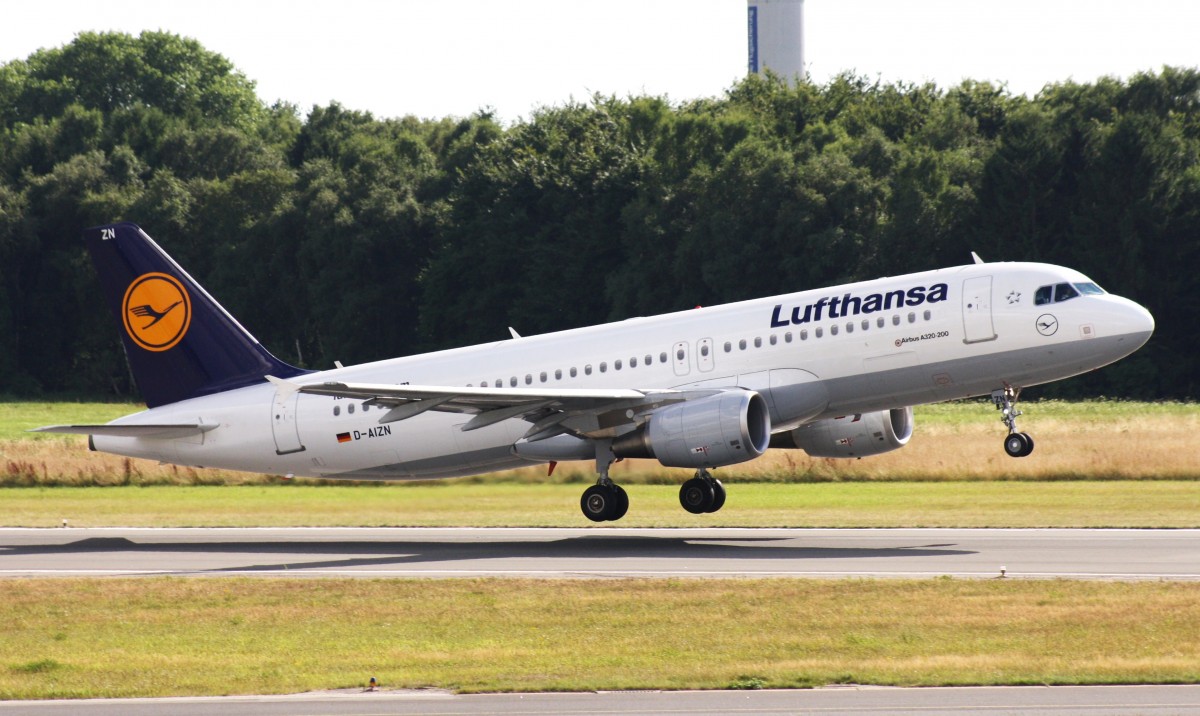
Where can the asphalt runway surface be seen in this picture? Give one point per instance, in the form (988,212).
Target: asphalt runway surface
(857,701)
(603,552)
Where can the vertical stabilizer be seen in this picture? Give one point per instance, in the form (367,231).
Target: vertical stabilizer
(181,343)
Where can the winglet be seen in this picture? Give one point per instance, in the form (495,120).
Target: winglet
(514,333)
(978,260)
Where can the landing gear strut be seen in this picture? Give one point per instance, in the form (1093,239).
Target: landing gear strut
(606,500)
(1016,444)
(703,493)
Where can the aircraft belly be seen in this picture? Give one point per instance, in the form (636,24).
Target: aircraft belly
(970,376)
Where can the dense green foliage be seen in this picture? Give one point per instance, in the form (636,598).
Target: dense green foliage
(344,236)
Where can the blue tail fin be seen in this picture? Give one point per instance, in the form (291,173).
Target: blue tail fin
(181,343)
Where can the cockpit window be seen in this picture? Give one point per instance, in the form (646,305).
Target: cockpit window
(1064,291)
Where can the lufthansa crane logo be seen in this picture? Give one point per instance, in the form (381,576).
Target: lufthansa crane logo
(157,311)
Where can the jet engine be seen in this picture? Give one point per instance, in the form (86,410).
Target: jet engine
(723,429)
(851,435)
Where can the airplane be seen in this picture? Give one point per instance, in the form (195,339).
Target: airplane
(834,372)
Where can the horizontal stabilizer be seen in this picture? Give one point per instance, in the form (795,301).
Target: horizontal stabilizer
(159,432)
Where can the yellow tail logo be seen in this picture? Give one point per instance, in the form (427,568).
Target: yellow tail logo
(157,311)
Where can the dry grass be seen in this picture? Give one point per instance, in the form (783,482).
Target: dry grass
(155,637)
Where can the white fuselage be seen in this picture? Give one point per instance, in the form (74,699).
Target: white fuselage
(857,348)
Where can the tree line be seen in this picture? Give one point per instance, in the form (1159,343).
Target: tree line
(342,236)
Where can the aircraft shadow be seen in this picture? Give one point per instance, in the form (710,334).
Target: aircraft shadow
(591,552)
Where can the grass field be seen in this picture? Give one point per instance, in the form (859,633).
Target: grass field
(150,637)
(854,504)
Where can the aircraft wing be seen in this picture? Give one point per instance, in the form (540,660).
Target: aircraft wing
(160,431)
(592,413)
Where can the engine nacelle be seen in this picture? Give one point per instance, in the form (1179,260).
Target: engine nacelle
(851,435)
(730,427)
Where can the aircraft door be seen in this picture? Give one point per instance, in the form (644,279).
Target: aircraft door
(283,422)
(977,310)
(679,356)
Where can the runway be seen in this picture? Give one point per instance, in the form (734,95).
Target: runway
(847,701)
(603,552)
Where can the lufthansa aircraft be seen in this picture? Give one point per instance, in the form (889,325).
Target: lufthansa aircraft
(834,372)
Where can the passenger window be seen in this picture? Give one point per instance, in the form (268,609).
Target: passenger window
(679,354)
(787,337)
(820,332)
(350,409)
(1043,296)
(587,369)
(928,315)
(895,320)
(542,377)
(912,318)
(742,344)
(728,346)
(850,327)
(528,379)
(499,383)
(574,372)
(757,342)
(833,330)
(513,381)
(866,324)
(649,359)
(617,364)
(337,410)
(804,335)
(774,339)
(880,322)
(558,373)
(704,350)
(633,362)
(662,357)
(1064,292)
(603,367)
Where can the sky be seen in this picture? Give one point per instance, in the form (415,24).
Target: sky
(437,58)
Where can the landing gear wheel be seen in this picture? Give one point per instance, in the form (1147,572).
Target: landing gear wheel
(604,503)
(599,503)
(620,504)
(1018,444)
(697,496)
(718,496)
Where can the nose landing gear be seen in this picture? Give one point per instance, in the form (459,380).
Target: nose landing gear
(1016,444)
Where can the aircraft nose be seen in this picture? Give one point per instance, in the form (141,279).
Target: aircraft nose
(1133,320)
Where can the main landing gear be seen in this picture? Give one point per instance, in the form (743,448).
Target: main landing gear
(703,493)
(606,501)
(1015,444)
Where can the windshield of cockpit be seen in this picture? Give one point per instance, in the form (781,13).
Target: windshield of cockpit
(1060,292)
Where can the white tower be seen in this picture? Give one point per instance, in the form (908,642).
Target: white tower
(776,36)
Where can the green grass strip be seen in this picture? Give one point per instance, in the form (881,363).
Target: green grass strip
(957,504)
(163,636)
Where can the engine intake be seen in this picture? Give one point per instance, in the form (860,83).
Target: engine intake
(730,427)
(851,435)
